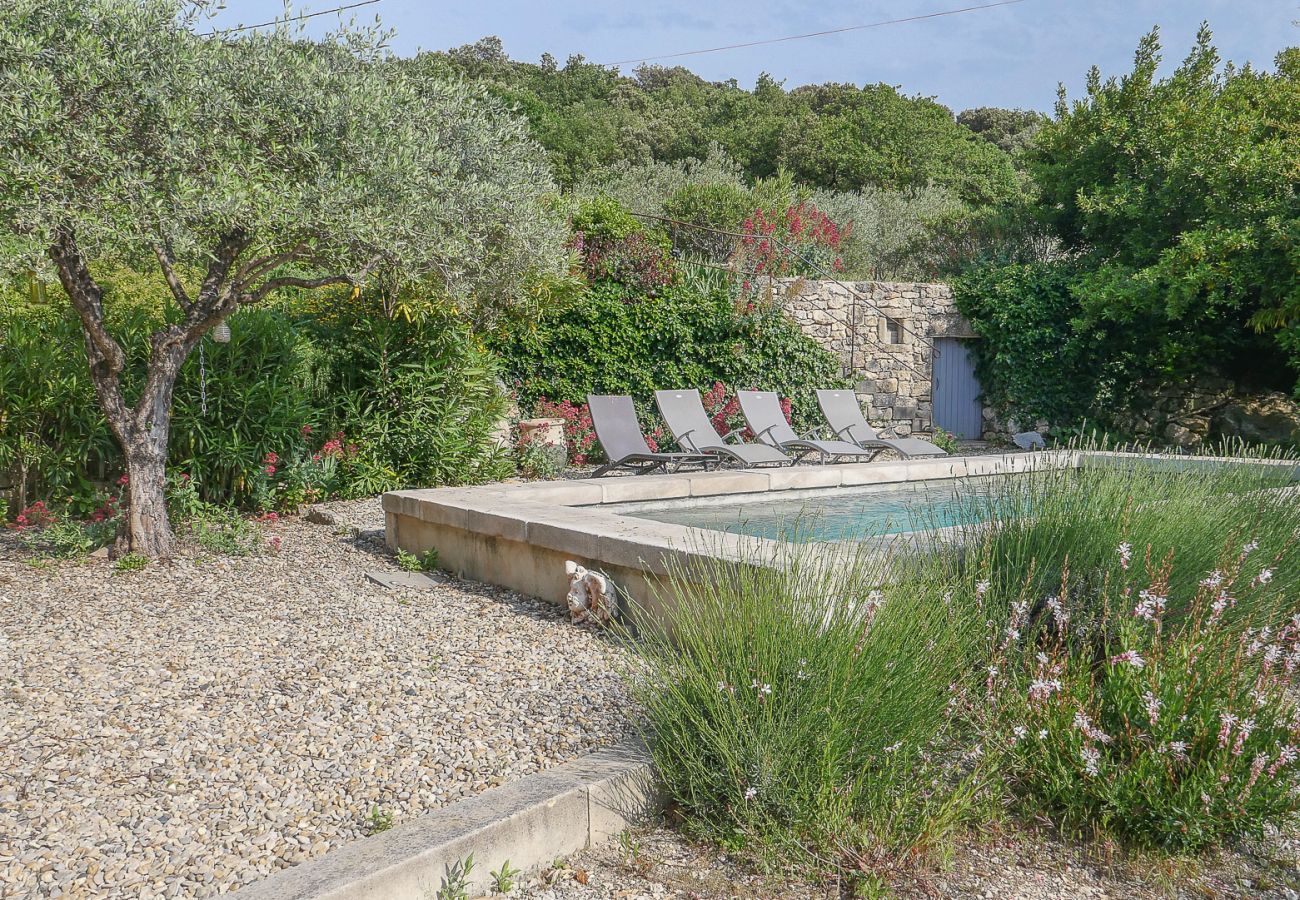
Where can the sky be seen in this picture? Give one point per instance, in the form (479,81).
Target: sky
(1010,56)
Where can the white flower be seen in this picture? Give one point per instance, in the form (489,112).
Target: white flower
(893,748)
(1020,731)
(1150,606)
(1131,657)
(981,587)
(1213,580)
(1153,704)
(1125,550)
(1042,688)
(761,688)
(1264,577)
(1042,734)
(750,793)
(1249,548)
(1090,731)
(1091,759)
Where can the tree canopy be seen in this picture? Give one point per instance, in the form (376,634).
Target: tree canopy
(234,166)
(1180,196)
(830,136)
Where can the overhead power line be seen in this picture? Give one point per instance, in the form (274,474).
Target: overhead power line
(298,18)
(813,34)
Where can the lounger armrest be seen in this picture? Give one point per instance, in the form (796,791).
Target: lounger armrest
(732,433)
(815,433)
(845,434)
(684,440)
(759,435)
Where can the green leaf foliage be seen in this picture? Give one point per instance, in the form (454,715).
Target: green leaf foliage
(831,136)
(690,335)
(418,399)
(1178,195)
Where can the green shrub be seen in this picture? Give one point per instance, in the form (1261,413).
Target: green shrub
(1051,522)
(131,562)
(717,206)
(1034,360)
(801,711)
(419,399)
(620,342)
(1175,736)
(844,713)
(539,460)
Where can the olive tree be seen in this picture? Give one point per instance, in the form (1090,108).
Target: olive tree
(236,166)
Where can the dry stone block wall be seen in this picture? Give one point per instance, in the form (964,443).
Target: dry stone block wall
(885,337)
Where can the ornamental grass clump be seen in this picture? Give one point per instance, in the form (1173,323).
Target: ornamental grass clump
(1171,731)
(804,711)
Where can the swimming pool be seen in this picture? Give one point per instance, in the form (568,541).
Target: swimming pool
(838,515)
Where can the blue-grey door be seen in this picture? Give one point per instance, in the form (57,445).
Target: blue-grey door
(956,390)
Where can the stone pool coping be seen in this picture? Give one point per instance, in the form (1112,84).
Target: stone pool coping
(520,535)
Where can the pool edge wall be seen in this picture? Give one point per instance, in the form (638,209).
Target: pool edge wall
(520,536)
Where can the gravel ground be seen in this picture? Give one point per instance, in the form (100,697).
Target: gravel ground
(192,727)
(659,864)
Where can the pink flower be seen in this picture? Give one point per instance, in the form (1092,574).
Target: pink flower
(1129,656)
(306,430)
(275,544)
(271,458)
(270,471)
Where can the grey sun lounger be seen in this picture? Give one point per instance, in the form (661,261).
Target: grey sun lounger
(762,411)
(683,412)
(844,415)
(614,418)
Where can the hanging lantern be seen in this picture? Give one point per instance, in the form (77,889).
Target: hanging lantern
(221,333)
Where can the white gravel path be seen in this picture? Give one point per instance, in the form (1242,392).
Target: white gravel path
(186,729)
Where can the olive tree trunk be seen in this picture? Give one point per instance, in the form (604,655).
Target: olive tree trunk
(142,430)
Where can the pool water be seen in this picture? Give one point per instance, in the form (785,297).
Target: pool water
(840,515)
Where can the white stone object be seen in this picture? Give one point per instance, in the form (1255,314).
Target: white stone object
(591,597)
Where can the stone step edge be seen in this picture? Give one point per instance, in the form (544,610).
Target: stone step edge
(530,822)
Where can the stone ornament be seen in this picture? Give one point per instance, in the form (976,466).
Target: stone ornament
(591,597)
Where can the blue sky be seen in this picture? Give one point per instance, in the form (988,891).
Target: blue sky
(1010,56)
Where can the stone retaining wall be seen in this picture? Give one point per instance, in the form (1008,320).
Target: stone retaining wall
(890,351)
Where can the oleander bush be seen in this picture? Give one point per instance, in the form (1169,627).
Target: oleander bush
(417,401)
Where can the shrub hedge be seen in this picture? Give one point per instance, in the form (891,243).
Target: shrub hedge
(418,399)
(690,335)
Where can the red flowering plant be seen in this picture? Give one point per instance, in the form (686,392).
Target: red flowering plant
(633,260)
(37,516)
(283,484)
(802,240)
(724,411)
(579,432)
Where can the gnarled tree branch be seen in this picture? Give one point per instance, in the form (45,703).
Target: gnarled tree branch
(168,266)
(102,352)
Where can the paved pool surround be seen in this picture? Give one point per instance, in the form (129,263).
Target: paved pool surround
(520,535)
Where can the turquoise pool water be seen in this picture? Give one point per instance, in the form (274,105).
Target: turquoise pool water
(840,515)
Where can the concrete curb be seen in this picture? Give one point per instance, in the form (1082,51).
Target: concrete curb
(529,822)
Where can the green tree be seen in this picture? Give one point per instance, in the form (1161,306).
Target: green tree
(1179,197)
(239,166)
